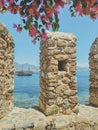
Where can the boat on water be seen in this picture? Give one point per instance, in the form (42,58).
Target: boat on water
(23,73)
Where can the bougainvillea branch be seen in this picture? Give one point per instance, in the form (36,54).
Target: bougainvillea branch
(37,16)
(85,7)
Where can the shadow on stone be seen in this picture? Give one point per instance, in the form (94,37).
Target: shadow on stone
(91,105)
(36,108)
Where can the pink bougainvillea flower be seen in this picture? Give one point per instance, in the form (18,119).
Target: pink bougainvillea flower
(78,8)
(56,9)
(11,1)
(94,12)
(94,9)
(48,25)
(46,12)
(61,3)
(14,26)
(93,2)
(2,3)
(33,9)
(13,8)
(44,36)
(21,13)
(32,31)
(43,17)
(19,28)
(49,12)
(33,41)
(41,1)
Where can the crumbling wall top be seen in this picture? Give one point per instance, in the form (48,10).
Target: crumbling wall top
(61,35)
(4,34)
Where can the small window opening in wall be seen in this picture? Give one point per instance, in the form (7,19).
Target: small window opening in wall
(61,65)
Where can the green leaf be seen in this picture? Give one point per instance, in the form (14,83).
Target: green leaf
(40,26)
(75,2)
(43,22)
(43,30)
(50,6)
(51,19)
(27,1)
(36,17)
(28,22)
(36,24)
(25,27)
(22,3)
(38,2)
(24,21)
(55,26)
(84,4)
(36,38)
(41,10)
(56,19)
(16,0)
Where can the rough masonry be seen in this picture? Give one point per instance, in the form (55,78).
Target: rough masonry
(6,71)
(58,84)
(93,63)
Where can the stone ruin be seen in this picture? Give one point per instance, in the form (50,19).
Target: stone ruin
(58,84)
(93,63)
(6,71)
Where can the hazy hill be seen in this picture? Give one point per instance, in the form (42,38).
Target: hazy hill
(34,68)
(26,66)
(82,69)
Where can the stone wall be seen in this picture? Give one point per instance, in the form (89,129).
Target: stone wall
(58,84)
(93,63)
(6,71)
(31,119)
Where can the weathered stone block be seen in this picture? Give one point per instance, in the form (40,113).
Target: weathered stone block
(66,80)
(52,110)
(62,43)
(73,99)
(70,92)
(58,68)
(93,63)
(52,68)
(6,71)
(61,57)
(67,111)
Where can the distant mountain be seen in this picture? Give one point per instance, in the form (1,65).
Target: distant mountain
(82,69)
(26,67)
(34,68)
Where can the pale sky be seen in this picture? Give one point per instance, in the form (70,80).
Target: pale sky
(84,28)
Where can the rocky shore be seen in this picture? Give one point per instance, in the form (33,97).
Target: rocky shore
(32,119)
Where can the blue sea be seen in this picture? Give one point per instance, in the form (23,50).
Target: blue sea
(26,89)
